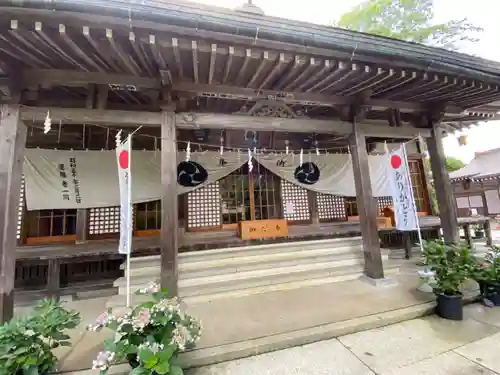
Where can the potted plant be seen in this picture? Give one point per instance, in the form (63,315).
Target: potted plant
(487,274)
(478,231)
(149,337)
(26,342)
(451,266)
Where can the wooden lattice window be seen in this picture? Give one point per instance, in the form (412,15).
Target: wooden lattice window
(235,194)
(419,185)
(266,191)
(331,207)
(351,206)
(148,216)
(204,207)
(383,202)
(20,210)
(50,226)
(104,220)
(295,202)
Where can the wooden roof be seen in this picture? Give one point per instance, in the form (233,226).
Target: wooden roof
(485,165)
(216,60)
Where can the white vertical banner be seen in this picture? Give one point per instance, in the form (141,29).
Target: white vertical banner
(123,158)
(402,192)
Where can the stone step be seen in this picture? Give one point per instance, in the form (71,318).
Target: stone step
(245,251)
(282,281)
(243,266)
(143,279)
(249,263)
(231,272)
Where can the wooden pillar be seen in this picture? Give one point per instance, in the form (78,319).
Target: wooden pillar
(169,204)
(12,144)
(82,214)
(54,278)
(488,233)
(427,175)
(444,189)
(367,208)
(313,206)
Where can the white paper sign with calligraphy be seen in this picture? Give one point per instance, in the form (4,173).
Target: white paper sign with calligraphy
(123,156)
(402,192)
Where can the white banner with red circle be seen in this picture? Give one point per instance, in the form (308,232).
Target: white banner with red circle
(402,192)
(123,155)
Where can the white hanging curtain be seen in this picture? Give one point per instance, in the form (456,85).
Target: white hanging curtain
(53,178)
(336,175)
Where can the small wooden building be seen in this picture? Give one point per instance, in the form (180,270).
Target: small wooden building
(477,185)
(255,98)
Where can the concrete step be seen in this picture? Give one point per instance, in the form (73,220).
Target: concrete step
(257,285)
(300,336)
(232,277)
(246,251)
(231,272)
(249,263)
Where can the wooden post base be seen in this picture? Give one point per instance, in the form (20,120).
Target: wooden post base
(6,307)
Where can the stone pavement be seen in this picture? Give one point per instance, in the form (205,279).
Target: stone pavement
(422,346)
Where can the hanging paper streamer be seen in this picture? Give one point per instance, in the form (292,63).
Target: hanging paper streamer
(188,151)
(317,149)
(301,157)
(250,164)
(118,139)
(286,147)
(221,146)
(47,124)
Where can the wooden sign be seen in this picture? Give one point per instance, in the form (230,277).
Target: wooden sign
(259,229)
(384,222)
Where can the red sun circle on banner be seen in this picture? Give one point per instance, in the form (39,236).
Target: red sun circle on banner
(123,159)
(396,161)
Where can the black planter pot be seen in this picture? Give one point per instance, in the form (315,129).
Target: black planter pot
(450,307)
(490,291)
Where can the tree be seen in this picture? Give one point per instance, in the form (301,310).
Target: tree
(410,20)
(453,164)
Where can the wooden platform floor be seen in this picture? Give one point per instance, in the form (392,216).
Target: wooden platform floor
(207,239)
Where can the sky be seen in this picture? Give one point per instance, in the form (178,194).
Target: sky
(481,13)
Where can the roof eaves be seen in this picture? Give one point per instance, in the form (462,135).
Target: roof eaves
(265,27)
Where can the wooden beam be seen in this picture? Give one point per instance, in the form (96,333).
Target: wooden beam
(12,144)
(50,77)
(169,222)
(92,116)
(444,189)
(218,121)
(74,78)
(367,205)
(304,98)
(243,122)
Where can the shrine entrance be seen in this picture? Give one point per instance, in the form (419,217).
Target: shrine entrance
(250,195)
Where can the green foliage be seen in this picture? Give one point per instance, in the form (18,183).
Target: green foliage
(410,20)
(489,270)
(26,342)
(451,265)
(149,337)
(453,164)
